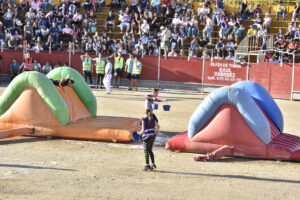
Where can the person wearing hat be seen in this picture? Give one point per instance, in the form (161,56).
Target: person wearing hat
(136,72)
(108,75)
(166,35)
(281,10)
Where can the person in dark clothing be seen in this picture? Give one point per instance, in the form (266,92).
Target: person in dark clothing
(63,82)
(150,129)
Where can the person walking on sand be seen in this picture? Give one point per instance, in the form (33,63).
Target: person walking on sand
(150,129)
(107,76)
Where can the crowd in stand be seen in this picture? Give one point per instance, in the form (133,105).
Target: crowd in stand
(172,25)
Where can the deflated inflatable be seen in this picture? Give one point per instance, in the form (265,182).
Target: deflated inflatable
(241,120)
(31,103)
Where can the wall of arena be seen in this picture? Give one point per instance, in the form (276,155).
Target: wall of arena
(275,78)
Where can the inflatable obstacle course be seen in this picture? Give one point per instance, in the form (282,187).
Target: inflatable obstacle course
(32,102)
(240,120)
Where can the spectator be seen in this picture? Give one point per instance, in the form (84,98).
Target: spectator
(114,5)
(133,6)
(267,20)
(293,47)
(292,27)
(165,5)
(145,27)
(92,26)
(230,56)
(230,45)
(261,36)
(100,4)
(44,33)
(136,23)
(28,32)
(252,32)
(181,53)
(220,48)
(274,59)
(296,12)
(216,15)
(87,6)
(77,18)
(172,53)
(205,55)
(218,56)
(193,27)
(181,39)
(165,41)
(223,28)
(125,22)
(35,4)
(281,10)
(66,33)
(268,55)
(123,5)
(243,9)
(297,35)
(193,55)
(257,10)
(110,22)
(36,66)
(14,69)
(155,4)
(155,23)
(208,29)
(8,18)
(175,22)
(46,68)
(194,45)
(37,47)
(280,34)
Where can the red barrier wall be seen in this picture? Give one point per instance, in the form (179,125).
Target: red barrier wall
(275,78)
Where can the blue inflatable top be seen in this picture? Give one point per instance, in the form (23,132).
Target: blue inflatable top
(245,96)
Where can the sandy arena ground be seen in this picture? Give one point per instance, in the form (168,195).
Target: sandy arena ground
(38,168)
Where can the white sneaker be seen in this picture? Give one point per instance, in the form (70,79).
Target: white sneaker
(107,93)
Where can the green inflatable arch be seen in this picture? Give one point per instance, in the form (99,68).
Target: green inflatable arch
(45,89)
(81,88)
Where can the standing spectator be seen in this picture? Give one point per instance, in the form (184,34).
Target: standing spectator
(165,41)
(87,67)
(128,68)
(36,66)
(296,12)
(257,10)
(136,72)
(118,66)
(107,76)
(46,68)
(281,10)
(100,69)
(14,69)
(27,63)
(155,4)
(252,32)
(110,22)
(208,29)
(125,22)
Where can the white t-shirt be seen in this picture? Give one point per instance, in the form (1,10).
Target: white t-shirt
(108,68)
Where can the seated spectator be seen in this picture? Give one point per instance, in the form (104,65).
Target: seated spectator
(193,55)
(30,16)
(12,43)
(220,48)
(218,56)
(28,32)
(175,22)
(181,53)
(280,35)
(46,68)
(267,20)
(54,32)
(85,23)
(240,60)
(155,23)
(237,34)
(37,47)
(8,18)
(145,27)
(268,55)
(114,5)
(223,27)
(281,10)
(110,22)
(77,18)
(244,12)
(14,69)
(280,45)
(133,6)
(35,4)
(205,55)
(258,21)
(274,59)
(44,33)
(230,56)
(216,14)
(155,4)
(296,12)
(297,35)
(292,27)
(289,36)
(230,46)
(87,5)
(92,26)
(251,11)
(181,39)
(165,5)
(125,22)
(194,45)
(66,33)
(202,44)
(100,4)
(257,10)
(172,53)
(293,47)
(193,29)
